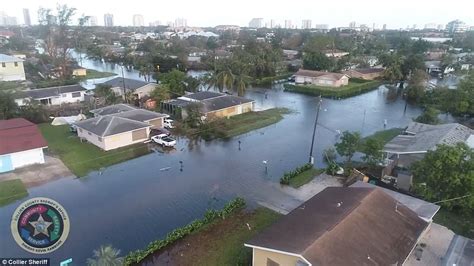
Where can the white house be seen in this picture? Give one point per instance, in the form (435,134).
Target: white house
(54,95)
(21,144)
(137,87)
(11,68)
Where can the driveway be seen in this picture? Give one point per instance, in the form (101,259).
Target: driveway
(38,174)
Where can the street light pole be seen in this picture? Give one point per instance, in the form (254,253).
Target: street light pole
(311,158)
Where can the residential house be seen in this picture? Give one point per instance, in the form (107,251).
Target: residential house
(290,54)
(320,78)
(118,125)
(78,71)
(11,68)
(341,226)
(336,53)
(365,73)
(53,95)
(21,144)
(211,104)
(137,87)
(433,67)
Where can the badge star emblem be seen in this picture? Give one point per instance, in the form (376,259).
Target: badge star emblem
(41,226)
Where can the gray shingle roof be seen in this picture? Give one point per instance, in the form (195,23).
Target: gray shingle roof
(8,58)
(425,137)
(110,125)
(214,104)
(53,91)
(113,109)
(139,115)
(130,84)
(203,95)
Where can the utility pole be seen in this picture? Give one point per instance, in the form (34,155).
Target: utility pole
(311,158)
(123,83)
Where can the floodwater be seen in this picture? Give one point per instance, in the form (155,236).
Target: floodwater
(138,201)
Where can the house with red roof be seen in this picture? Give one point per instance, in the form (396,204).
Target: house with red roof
(21,144)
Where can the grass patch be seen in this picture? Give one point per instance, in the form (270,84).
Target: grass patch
(382,136)
(355,87)
(305,177)
(94,74)
(222,243)
(461,224)
(11,190)
(82,158)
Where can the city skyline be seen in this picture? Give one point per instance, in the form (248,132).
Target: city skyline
(398,17)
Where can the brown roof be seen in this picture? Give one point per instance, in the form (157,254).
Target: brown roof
(319,74)
(19,134)
(346,226)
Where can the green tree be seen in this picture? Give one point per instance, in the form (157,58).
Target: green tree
(372,149)
(175,80)
(446,173)
(416,86)
(348,144)
(105,255)
(429,116)
(8,106)
(160,93)
(146,71)
(317,61)
(106,93)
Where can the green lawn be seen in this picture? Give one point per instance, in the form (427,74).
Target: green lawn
(355,87)
(222,243)
(383,136)
(460,224)
(305,177)
(94,74)
(82,158)
(11,190)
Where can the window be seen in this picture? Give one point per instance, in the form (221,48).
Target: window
(16,64)
(76,94)
(272,262)
(3,65)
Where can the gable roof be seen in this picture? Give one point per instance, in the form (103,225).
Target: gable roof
(19,134)
(8,59)
(104,126)
(203,95)
(346,226)
(320,74)
(140,115)
(226,101)
(130,84)
(53,91)
(113,109)
(424,137)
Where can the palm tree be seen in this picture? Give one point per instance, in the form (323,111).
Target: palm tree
(146,71)
(225,79)
(241,81)
(105,255)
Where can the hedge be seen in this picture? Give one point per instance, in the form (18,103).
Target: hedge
(354,88)
(210,216)
(285,180)
(269,80)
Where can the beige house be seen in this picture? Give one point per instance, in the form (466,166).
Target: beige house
(341,226)
(79,72)
(320,78)
(118,126)
(365,73)
(139,88)
(11,68)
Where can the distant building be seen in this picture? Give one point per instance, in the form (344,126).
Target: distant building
(334,53)
(92,22)
(322,27)
(6,20)
(288,24)
(256,23)
(384,27)
(180,23)
(352,25)
(53,95)
(456,26)
(272,24)
(431,26)
(26,17)
(138,20)
(320,78)
(108,20)
(155,23)
(306,24)
(11,68)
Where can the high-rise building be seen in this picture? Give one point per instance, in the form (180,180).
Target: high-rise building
(256,23)
(272,24)
(138,20)
(321,27)
(92,21)
(430,26)
(414,27)
(180,23)
(6,20)
(26,17)
(384,27)
(352,25)
(288,24)
(306,24)
(109,20)
(456,26)
(155,23)
(440,27)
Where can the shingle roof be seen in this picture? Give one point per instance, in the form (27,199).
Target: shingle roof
(19,134)
(426,137)
(110,125)
(113,109)
(141,115)
(319,74)
(346,226)
(53,91)
(130,84)
(203,95)
(217,103)
(8,58)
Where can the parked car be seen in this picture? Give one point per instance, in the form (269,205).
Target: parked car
(168,123)
(164,140)
(158,131)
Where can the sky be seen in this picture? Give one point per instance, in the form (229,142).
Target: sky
(396,13)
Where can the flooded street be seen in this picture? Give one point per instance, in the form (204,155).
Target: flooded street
(132,203)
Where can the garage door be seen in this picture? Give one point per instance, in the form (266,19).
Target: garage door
(139,134)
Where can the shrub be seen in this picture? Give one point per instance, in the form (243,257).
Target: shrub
(353,89)
(285,180)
